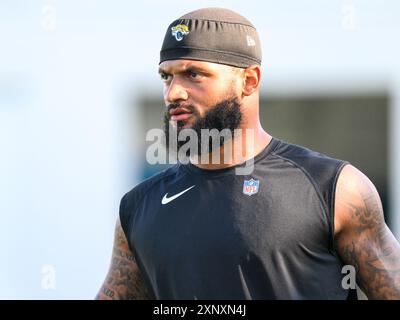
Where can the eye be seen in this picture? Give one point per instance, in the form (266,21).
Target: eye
(165,76)
(194,75)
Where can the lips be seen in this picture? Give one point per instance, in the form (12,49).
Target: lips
(180,114)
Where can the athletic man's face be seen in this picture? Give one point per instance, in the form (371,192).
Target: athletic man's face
(193,88)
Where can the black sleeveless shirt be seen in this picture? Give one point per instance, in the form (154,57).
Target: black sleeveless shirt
(213,234)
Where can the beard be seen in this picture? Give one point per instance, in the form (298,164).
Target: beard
(224,116)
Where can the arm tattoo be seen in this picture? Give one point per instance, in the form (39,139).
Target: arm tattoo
(124,280)
(371,248)
(368,216)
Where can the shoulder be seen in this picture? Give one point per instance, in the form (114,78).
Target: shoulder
(321,168)
(303,155)
(134,195)
(357,202)
(132,198)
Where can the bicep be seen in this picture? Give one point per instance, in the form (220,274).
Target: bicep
(362,238)
(123,280)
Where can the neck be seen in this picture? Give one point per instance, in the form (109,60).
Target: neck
(246,144)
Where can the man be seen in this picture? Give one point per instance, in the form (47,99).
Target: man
(285,230)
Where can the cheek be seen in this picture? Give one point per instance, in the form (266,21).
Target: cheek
(212,93)
(225,89)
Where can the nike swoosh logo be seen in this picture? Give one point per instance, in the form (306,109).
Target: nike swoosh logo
(166,200)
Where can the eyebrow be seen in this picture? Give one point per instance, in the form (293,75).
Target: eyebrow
(189,68)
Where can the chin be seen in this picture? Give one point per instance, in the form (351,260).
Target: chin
(188,124)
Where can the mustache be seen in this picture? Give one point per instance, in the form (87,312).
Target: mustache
(176,105)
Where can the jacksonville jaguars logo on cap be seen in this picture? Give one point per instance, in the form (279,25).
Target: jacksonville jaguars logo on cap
(251,187)
(180,31)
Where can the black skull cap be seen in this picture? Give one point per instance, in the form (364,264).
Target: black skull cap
(215,35)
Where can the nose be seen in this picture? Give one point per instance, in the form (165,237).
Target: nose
(175,92)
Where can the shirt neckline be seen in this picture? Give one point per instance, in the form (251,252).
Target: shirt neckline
(191,168)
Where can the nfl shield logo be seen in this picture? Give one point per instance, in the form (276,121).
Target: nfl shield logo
(251,186)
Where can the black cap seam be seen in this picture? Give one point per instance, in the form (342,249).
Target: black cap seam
(218,61)
(214,50)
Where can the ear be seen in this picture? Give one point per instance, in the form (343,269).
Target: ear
(251,79)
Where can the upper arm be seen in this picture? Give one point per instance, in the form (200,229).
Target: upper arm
(123,280)
(362,238)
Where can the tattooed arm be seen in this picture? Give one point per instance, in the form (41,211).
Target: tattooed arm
(362,238)
(123,280)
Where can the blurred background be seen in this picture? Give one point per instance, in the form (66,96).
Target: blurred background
(79,89)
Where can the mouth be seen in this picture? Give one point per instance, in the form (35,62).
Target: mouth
(180,114)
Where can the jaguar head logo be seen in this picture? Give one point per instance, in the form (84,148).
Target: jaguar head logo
(180,31)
